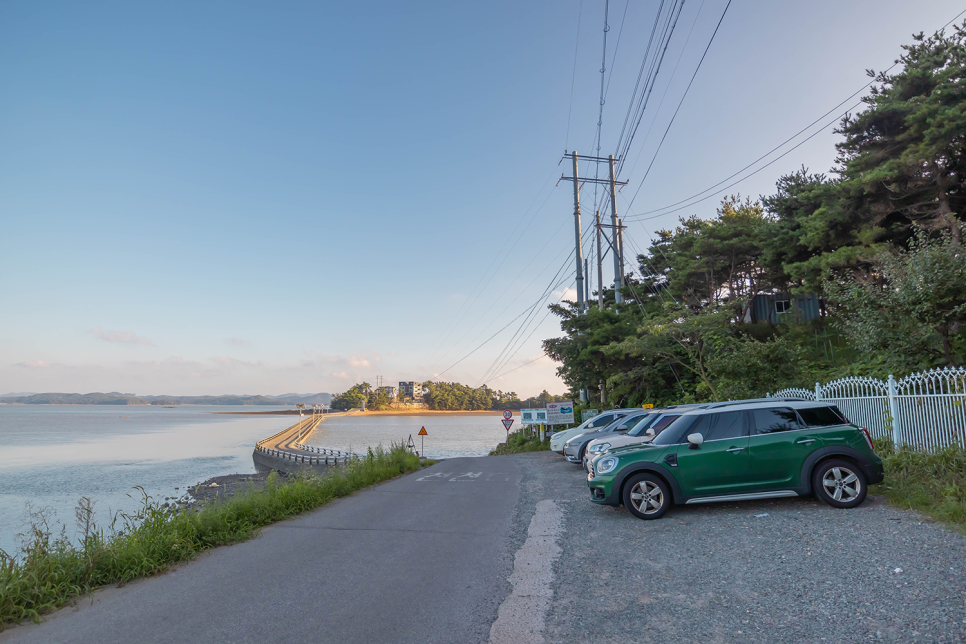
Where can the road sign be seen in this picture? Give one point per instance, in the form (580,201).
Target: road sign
(507,422)
(587,414)
(561,413)
(533,416)
(422,445)
(508,414)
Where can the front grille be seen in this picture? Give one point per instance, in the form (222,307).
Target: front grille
(590,470)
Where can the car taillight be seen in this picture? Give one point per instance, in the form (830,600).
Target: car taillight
(868,438)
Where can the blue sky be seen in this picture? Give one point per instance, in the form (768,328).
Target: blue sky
(207,198)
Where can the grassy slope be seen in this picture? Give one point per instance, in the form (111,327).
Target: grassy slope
(51,570)
(933,484)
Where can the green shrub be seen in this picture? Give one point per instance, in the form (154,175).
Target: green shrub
(522,441)
(51,570)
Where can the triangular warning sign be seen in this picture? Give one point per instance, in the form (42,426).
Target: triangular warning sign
(507,422)
(423,432)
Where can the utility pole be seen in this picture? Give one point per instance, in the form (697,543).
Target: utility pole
(620,246)
(600,270)
(580,254)
(618,266)
(586,286)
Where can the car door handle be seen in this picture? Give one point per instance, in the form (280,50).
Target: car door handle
(806,441)
(734,449)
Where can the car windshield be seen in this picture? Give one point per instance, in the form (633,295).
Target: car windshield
(641,427)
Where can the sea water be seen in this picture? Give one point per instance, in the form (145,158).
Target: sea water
(52,455)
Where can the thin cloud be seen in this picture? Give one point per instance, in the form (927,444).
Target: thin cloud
(358,361)
(33,364)
(239,342)
(121,337)
(341,375)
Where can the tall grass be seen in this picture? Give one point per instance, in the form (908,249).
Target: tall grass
(933,483)
(50,569)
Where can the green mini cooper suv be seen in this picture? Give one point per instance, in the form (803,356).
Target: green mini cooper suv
(741,450)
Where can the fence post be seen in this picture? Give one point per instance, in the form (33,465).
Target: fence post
(892,411)
(818,391)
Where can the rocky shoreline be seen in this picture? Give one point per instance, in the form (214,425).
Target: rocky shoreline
(219,488)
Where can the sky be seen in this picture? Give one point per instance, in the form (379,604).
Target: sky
(236,197)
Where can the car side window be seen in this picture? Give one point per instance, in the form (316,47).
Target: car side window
(600,421)
(731,424)
(641,425)
(779,419)
(820,417)
(627,424)
(703,425)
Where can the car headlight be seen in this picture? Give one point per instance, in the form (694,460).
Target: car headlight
(603,447)
(606,464)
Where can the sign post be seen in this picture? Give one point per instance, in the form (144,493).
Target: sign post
(422,447)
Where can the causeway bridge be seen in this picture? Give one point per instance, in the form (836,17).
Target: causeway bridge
(286,450)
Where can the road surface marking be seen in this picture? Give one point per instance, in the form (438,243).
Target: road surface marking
(522,615)
(469,476)
(434,476)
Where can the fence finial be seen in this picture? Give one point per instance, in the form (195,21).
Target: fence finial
(818,391)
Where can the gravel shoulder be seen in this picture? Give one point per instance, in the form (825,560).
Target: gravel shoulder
(719,573)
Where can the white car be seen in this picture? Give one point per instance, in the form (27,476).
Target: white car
(600,420)
(643,432)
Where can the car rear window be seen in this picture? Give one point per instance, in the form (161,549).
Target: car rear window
(779,419)
(824,416)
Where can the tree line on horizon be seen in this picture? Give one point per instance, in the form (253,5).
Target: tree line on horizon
(444,396)
(877,243)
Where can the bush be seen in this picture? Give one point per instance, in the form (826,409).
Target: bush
(51,570)
(522,441)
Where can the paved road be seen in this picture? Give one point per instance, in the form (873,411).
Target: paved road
(510,550)
(419,559)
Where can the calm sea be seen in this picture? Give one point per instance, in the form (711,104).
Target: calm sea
(51,455)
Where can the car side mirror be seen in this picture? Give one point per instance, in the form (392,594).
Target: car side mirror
(649,432)
(695,439)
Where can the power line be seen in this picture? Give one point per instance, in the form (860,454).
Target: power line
(687,89)
(573,78)
(783,143)
(640,216)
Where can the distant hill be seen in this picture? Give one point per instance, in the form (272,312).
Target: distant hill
(18,395)
(308,399)
(116,398)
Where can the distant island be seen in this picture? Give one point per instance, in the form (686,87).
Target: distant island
(117,398)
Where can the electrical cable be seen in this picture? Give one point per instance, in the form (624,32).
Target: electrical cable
(681,102)
(573,78)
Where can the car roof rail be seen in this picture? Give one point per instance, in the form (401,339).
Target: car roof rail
(731,403)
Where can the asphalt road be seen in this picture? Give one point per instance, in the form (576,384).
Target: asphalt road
(421,559)
(509,549)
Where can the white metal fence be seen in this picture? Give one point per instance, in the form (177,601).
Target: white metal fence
(925,410)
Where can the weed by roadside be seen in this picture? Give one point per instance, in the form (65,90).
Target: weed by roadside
(521,441)
(933,483)
(50,570)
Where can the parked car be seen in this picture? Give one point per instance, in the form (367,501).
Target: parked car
(557,439)
(575,446)
(741,450)
(643,432)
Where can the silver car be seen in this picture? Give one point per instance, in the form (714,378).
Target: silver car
(575,447)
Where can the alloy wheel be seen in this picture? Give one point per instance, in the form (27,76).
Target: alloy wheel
(841,484)
(647,497)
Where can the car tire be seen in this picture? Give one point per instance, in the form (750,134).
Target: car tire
(580,456)
(839,483)
(646,496)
